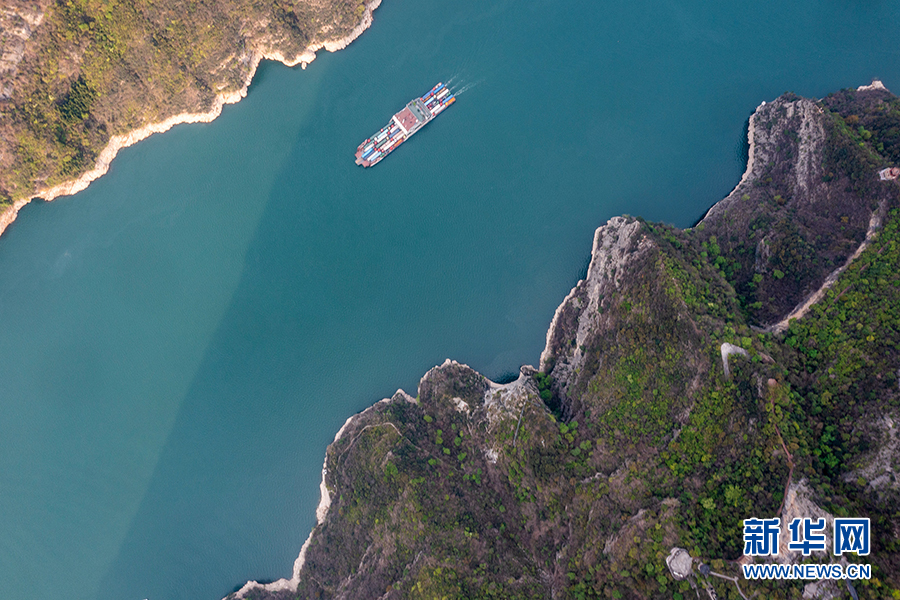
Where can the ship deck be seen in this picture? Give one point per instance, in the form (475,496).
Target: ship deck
(402,125)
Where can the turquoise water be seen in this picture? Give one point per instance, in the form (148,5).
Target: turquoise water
(181,341)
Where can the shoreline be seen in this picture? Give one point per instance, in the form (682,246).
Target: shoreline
(557,314)
(748,171)
(551,330)
(118,142)
(321,512)
(322,509)
(751,130)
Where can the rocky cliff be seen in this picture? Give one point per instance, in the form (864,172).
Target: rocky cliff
(666,408)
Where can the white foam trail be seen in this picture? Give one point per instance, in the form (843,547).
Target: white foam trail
(465,88)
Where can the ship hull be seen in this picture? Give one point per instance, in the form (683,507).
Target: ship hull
(415,115)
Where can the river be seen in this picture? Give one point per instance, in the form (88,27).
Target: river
(182,340)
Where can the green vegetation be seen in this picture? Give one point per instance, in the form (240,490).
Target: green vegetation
(97,68)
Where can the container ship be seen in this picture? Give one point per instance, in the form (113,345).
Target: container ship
(412,118)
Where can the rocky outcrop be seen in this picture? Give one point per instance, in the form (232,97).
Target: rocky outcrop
(382,465)
(800,503)
(804,204)
(880,469)
(617,245)
(799,134)
(17,23)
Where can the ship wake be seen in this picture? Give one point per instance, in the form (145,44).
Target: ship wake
(463,87)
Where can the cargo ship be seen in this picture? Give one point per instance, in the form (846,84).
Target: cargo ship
(412,118)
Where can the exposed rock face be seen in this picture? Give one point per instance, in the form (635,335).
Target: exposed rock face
(799,504)
(629,305)
(881,469)
(617,245)
(800,133)
(17,23)
(396,519)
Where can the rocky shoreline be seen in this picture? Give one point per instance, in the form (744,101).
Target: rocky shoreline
(118,142)
(608,252)
(321,512)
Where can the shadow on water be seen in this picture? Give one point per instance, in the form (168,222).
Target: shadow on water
(231,475)
(742,151)
(507,377)
(327,318)
(743,147)
(583,272)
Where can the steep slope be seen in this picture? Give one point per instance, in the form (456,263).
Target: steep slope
(661,415)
